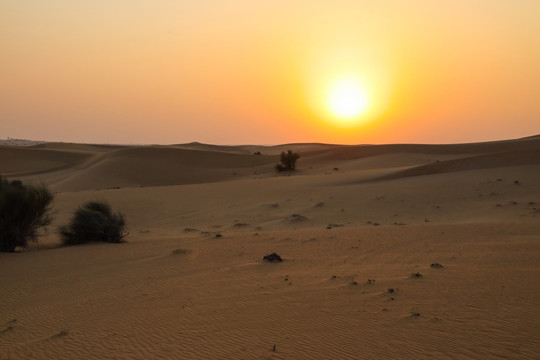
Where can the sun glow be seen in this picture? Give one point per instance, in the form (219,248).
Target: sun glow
(347,99)
(346,89)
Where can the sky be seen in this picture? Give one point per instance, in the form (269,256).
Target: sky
(269,72)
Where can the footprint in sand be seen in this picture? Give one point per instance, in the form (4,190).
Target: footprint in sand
(7,330)
(61,334)
(296,218)
(180,252)
(240,225)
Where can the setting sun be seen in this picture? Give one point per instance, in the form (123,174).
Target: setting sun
(347,100)
(324,71)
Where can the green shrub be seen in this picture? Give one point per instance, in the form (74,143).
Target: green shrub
(288,161)
(94,221)
(24,209)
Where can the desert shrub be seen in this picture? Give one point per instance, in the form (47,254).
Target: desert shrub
(287,161)
(24,209)
(94,221)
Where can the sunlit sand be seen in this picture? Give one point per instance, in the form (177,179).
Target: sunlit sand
(389,252)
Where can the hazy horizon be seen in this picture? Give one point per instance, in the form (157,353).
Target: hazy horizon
(242,72)
(40,141)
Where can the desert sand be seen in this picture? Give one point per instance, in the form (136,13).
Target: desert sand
(389,252)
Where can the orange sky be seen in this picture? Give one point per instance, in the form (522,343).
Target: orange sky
(239,72)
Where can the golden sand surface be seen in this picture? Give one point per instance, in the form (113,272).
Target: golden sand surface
(389,252)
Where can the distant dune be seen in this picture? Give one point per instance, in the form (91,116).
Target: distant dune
(19,142)
(68,167)
(404,251)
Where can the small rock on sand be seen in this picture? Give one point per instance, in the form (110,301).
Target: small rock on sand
(273,257)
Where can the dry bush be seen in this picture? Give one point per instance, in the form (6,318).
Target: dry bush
(94,221)
(24,209)
(287,161)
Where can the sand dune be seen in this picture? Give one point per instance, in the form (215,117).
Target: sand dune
(158,166)
(493,160)
(358,227)
(29,160)
(70,167)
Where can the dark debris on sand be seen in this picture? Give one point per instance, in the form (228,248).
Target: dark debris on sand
(273,257)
